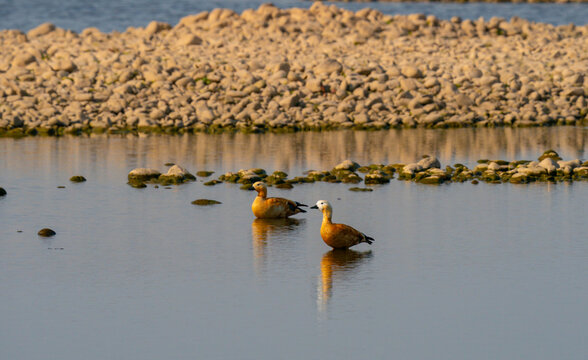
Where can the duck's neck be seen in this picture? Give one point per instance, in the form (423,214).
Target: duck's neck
(262,194)
(327,215)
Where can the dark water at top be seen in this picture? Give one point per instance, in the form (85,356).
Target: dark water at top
(109,15)
(457,272)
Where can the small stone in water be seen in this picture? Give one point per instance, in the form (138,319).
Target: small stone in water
(360,189)
(61,187)
(285,186)
(2,192)
(46,232)
(204,173)
(204,202)
(77,178)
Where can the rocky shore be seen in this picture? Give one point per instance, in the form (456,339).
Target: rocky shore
(293,69)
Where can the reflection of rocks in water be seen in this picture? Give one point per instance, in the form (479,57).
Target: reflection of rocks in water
(263,231)
(337,266)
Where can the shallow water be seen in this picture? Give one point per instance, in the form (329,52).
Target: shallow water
(109,15)
(457,271)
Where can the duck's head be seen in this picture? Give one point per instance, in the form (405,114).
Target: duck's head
(322,205)
(259,186)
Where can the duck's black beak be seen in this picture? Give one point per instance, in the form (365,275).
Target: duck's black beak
(314,207)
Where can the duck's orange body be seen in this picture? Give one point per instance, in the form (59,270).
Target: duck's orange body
(338,236)
(273,208)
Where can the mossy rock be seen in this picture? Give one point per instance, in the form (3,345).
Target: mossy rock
(77,178)
(501,162)
(519,179)
(475,182)
(204,173)
(170,180)
(490,176)
(431,180)
(460,167)
(274,180)
(363,169)
(483,161)
(212,182)
(279,174)
(358,189)
(205,202)
(285,186)
(550,154)
(46,232)
(389,169)
(2,192)
(137,184)
(246,187)
(259,171)
(351,179)
(230,177)
(516,163)
(169,164)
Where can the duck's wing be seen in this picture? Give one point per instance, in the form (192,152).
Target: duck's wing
(350,235)
(288,205)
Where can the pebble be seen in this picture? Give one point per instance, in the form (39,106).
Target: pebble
(299,69)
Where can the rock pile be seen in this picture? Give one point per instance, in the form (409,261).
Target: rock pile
(549,168)
(293,69)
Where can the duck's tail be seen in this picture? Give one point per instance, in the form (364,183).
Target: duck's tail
(300,204)
(368,239)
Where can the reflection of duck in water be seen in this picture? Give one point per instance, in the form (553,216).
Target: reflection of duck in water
(338,236)
(273,208)
(335,265)
(264,230)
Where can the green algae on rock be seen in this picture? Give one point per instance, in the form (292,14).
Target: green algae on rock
(285,186)
(205,202)
(77,178)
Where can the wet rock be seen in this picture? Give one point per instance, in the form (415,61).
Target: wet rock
(46,232)
(204,173)
(549,164)
(550,154)
(176,175)
(358,189)
(285,186)
(138,184)
(205,202)
(143,174)
(212,182)
(2,192)
(77,178)
(376,177)
(347,165)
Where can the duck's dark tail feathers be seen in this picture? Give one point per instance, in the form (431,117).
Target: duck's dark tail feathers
(300,204)
(368,239)
(301,210)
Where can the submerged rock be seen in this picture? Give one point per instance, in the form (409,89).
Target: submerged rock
(358,189)
(212,182)
(46,232)
(285,186)
(204,173)
(77,178)
(205,202)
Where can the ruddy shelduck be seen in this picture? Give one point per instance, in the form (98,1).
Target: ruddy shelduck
(273,207)
(338,236)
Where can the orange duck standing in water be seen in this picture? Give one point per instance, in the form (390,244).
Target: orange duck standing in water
(273,207)
(338,236)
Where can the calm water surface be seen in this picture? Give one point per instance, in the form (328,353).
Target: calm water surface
(109,15)
(457,271)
